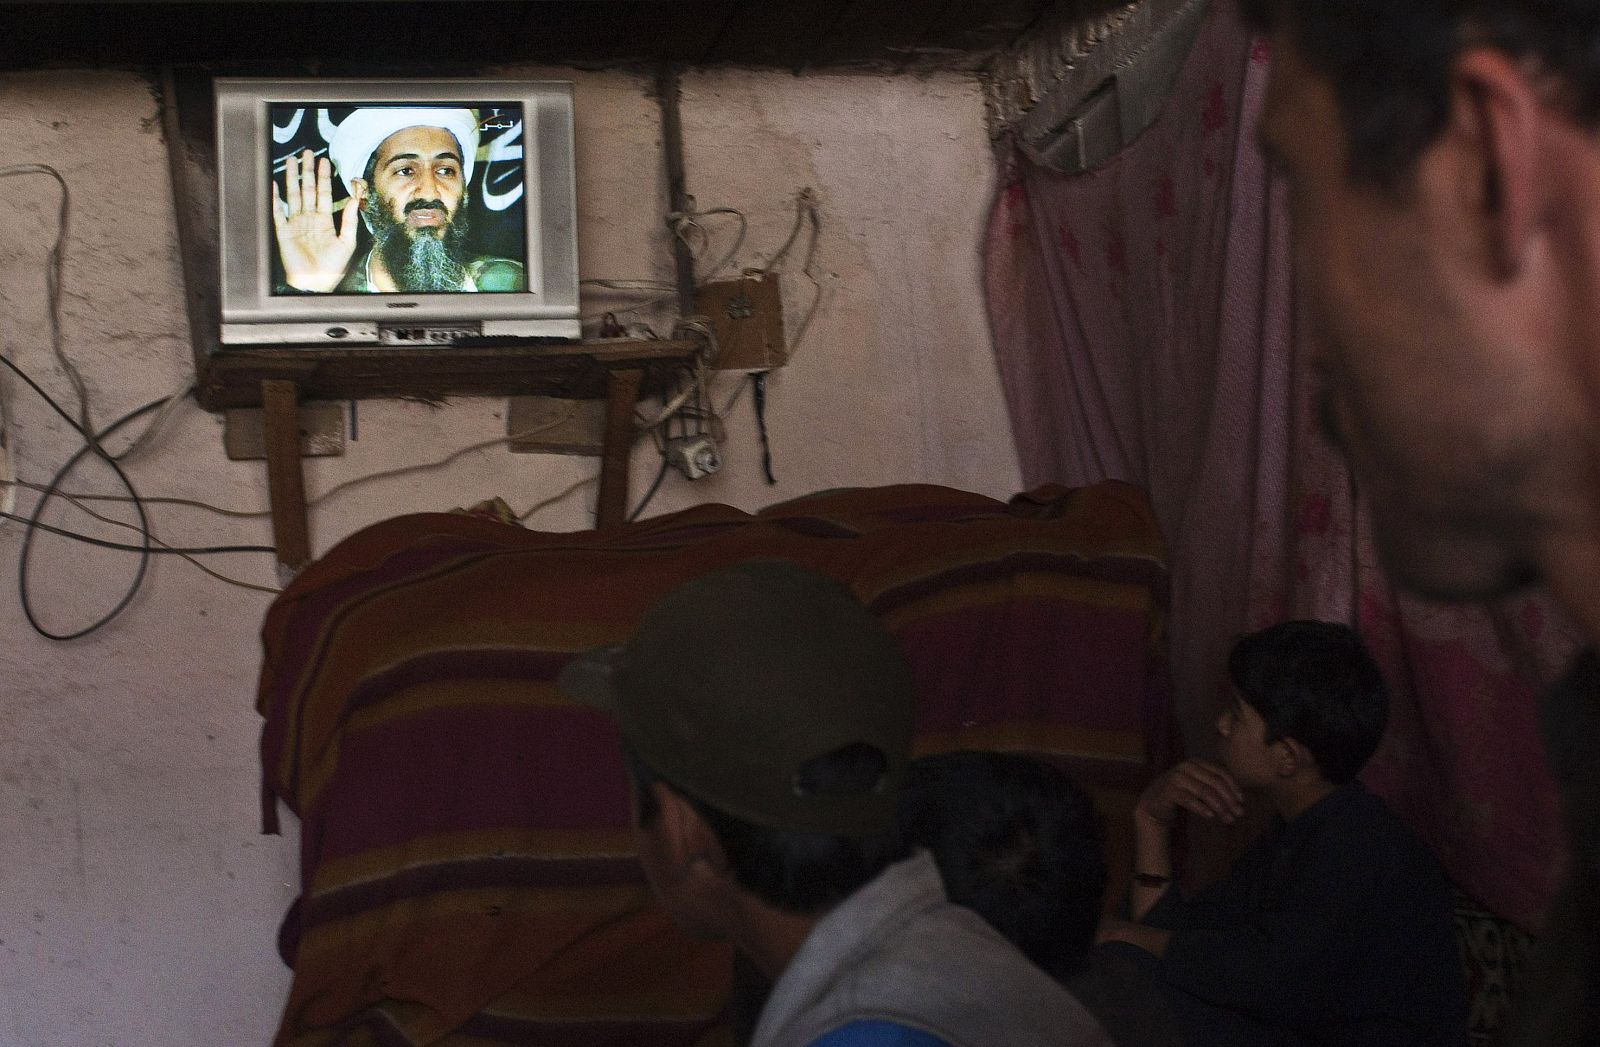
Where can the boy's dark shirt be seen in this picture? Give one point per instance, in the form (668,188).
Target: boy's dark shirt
(1335,928)
(1558,1000)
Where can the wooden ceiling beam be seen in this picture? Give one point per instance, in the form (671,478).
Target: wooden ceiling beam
(656,32)
(452,37)
(997,24)
(923,34)
(1039,10)
(873,33)
(826,26)
(765,33)
(713,40)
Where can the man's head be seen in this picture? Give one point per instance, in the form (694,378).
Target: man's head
(1016,842)
(763,707)
(1302,690)
(409,168)
(1443,156)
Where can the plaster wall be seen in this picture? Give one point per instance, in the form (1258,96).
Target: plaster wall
(138,904)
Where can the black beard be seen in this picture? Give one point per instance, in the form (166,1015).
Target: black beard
(426,259)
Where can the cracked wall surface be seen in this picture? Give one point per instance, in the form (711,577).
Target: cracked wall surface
(138,904)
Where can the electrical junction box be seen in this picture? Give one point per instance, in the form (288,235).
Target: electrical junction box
(747,315)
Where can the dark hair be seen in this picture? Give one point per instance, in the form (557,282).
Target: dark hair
(1390,62)
(1316,683)
(1018,843)
(798,872)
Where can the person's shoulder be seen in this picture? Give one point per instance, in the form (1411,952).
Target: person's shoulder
(355,278)
(490,273)
(934,960)
(878,1033)
(1371,835)
(1372,813)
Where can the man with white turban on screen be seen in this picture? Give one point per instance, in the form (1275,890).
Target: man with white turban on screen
(406,170)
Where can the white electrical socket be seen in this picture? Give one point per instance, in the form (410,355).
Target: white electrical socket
(693,456)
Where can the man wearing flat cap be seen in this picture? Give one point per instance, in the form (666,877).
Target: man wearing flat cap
(406,170)
(766,721)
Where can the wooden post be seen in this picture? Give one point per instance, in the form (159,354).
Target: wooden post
(668,94)
(622,393)
(286,485)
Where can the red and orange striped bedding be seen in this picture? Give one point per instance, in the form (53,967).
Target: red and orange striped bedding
(466,864)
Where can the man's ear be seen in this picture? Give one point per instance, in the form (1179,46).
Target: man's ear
(1290,757)
(687,842)
(358,189)
(1497,113)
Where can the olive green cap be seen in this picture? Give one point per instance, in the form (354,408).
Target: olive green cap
(736,680)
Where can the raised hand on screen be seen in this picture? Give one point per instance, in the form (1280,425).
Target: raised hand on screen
(314,254)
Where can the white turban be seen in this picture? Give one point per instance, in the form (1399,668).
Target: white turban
(358,137)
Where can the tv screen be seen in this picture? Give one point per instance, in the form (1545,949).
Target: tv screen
(395,212)
(424,212)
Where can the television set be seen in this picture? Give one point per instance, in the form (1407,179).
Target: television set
(393,212)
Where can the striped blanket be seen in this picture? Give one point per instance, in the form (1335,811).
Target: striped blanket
(467,875)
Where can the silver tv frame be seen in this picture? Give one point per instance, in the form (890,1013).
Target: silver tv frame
(253,316)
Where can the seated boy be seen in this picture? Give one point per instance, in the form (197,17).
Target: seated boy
(1016,842)
(1335,926)
(1019,843)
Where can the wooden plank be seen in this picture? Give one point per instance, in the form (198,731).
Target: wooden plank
(668,98)
(286,484)
(612,506)
(977,28)
(766,34)
(828,18)
(680,32)
(934,34)
(546,425)
(872,32)
(917,43)
(727,13)
(577,370)
(320,422)
(465,36)
(618,31)
(188,120)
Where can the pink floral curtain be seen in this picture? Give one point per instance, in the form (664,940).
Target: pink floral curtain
(1143,320)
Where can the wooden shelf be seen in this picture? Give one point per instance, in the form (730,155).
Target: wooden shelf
(278,379)
(232,378)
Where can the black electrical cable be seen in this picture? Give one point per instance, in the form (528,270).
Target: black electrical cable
(154,549)
(32,526)
(92,444)
(654,486)
(47,398)
(759,385)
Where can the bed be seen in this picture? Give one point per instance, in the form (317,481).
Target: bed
(467,874)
